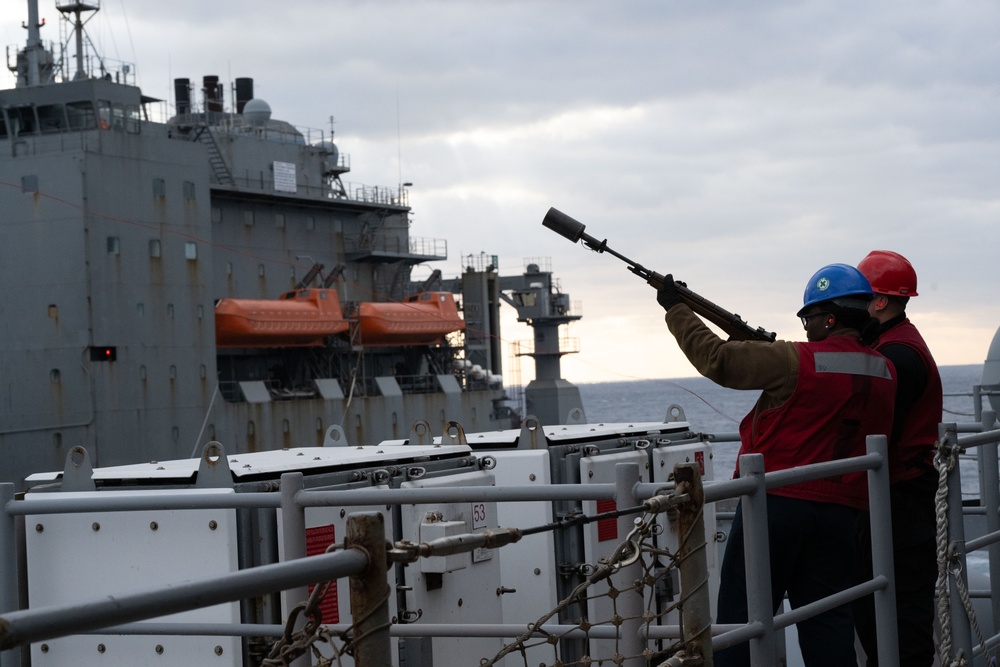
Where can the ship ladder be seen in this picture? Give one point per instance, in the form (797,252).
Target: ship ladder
(218,163)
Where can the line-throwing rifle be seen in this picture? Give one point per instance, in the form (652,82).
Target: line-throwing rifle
(731,323)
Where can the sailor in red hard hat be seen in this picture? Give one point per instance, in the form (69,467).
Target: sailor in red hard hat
(913,480)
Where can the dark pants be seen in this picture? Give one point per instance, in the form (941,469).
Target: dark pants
(812,547)
(914,560)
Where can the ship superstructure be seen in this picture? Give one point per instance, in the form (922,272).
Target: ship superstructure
(120,234)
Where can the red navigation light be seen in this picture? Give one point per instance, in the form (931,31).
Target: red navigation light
(98,353)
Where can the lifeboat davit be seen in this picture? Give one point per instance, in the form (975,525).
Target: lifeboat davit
(421,319)
(298,318)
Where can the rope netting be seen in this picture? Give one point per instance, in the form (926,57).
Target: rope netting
(618,591)
(637,567)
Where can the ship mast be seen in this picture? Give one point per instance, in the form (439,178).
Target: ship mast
(34,46)
(77,8)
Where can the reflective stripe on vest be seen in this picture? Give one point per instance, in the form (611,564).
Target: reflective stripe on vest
(852,363)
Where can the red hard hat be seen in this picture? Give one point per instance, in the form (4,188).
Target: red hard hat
(889,273)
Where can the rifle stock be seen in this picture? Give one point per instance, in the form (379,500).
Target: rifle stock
(732,324)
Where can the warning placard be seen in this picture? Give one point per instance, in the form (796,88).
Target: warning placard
(317,541)
(284,177)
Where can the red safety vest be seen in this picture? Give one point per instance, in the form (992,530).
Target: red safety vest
(844,392)
(915,449)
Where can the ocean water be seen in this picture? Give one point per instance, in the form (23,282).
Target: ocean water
(709,408)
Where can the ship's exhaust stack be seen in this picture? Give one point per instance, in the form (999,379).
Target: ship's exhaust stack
(213,93)
(244,93)
(182,96)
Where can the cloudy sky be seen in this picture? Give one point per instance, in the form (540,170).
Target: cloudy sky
(739,145)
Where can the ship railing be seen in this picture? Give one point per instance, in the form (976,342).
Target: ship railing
(426,246)
(631,631)
(376,194)
(963,578)
(22,626)
(481,263)
(397,244)
(541,264)
(763,630)
(237,124)
(565,345)
(264,183)
(312,135)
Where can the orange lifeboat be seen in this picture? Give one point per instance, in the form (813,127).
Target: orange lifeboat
(298,318)
(422,319)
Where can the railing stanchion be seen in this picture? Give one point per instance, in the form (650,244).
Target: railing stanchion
(696,614)
(957,565)
(758,561)
(293,536)
(370,591)
(630,603)
(8,569)
(990,499)
(880,517)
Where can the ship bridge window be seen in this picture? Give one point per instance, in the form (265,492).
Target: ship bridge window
(29,183)
(52,118)
(118,116)
(190,250)
(22,120)
(81,115)
(132,118)
(104,114)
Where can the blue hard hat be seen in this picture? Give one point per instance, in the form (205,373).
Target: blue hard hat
(834,282)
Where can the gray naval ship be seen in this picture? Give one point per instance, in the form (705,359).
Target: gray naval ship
(180,273)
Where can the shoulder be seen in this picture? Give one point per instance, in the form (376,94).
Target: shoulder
(901,355)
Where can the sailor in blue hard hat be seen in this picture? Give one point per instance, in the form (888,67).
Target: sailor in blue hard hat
(819,401)
(837,294)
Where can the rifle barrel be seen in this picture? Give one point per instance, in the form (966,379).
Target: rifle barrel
(574,230)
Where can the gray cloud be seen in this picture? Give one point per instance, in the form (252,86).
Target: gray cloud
(740,145)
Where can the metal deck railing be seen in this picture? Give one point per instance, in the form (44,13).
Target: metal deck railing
(963,638)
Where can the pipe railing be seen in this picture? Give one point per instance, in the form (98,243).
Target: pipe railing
(987,439)
(18,626)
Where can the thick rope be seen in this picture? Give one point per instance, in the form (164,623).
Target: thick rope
(949,569)
(944,463)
